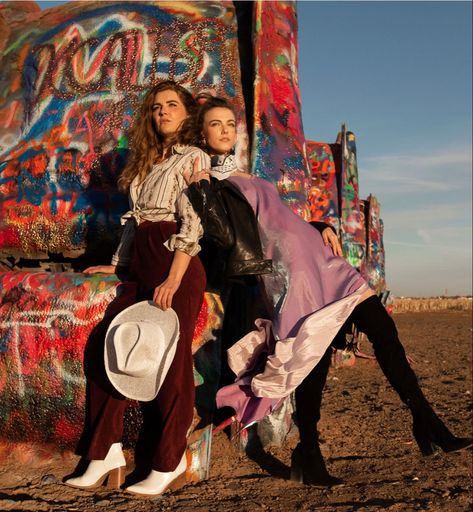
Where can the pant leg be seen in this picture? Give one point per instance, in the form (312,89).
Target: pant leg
(105,406)
(170,414)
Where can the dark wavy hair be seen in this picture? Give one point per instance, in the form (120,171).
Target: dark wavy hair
(207,102)
(146,144)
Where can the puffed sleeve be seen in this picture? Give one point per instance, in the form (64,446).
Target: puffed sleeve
(191,231)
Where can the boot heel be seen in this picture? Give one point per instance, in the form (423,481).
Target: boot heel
(116,478)
(179,482)
(426,446)
(297,474)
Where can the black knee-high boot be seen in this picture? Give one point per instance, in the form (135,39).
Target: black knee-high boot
(307,463)
(429,431)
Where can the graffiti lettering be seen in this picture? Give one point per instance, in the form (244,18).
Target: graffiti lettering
(114,64)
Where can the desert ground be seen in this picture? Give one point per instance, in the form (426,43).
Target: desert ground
(366,440)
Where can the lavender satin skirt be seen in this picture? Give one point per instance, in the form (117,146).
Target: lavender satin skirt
(310,294)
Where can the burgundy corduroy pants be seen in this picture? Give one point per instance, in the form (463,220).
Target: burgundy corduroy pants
(169,416)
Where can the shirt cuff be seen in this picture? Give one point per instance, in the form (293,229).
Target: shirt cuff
(177,242)
(120,261)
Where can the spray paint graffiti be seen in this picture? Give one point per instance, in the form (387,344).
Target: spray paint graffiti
(70,84)
(323,192)
(351,223)
(278,142)
(46,320)
(71,81)
(375,255)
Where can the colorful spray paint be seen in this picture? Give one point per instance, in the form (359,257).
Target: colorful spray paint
(375,255)
(45,322)
(351,222)
(323,192)
(71,80)
(278,140)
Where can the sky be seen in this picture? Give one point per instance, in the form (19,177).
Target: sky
(399,74)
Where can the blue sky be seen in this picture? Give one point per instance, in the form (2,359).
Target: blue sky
(400,75)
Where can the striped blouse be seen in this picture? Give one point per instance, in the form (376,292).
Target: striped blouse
(160,197)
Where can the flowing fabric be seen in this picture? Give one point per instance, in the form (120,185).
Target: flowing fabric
(310,294)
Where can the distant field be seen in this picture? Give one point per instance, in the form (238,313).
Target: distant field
(402,305)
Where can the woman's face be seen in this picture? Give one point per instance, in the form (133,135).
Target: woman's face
(169,112)
(219,130)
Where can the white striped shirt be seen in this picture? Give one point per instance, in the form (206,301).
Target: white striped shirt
(160,197)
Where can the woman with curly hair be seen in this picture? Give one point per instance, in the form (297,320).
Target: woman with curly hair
(159,245)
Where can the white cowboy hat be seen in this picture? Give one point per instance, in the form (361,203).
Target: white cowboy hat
(139,348)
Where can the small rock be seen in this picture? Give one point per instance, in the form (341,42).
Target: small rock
(103,503)
(49,479)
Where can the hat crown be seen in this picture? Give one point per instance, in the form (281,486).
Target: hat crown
(138,346)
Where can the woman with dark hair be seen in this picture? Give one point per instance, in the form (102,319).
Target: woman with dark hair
(159,244)
(311,295)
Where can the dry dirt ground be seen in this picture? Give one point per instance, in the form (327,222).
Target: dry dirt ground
(367,442)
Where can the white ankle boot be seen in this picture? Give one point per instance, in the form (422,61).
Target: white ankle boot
(157,482)
(113,467)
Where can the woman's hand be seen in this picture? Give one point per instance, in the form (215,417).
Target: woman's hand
(100,269)
(164,293)
(330,238)
(196,174)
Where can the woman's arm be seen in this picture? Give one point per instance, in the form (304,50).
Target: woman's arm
(185,244)
(329,236)
(101,269)
(164,293)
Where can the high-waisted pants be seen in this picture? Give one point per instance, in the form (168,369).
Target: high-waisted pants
(167,418)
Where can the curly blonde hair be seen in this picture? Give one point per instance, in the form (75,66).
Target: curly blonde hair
(146,143)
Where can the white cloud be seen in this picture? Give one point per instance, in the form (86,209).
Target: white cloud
(419,216)
(425,235)
(441,171)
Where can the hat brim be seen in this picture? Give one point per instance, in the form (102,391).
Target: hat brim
(145,388)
